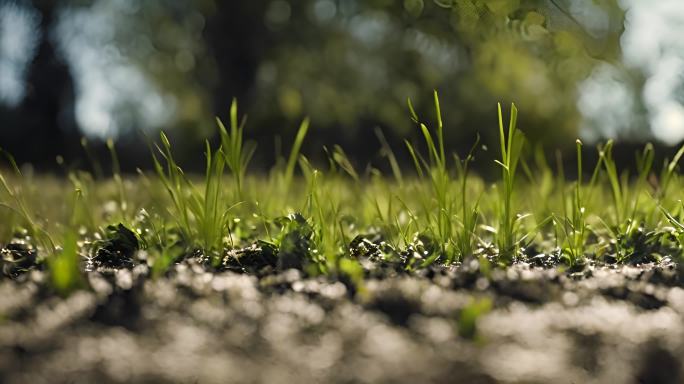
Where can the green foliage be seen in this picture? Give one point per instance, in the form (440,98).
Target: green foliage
(534,51)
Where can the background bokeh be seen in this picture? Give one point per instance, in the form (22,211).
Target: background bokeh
(126,69)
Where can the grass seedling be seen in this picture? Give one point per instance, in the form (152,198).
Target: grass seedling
(511,149)
(324,232)
(237,152)
(625,201)
(574,225)
(202,215)
(543,180)
(175,183)
(84,208)
(465,238)
(294,154)
(386,151)
(668,174)
(440,218)
(341,160)
(208,208)
(120,186)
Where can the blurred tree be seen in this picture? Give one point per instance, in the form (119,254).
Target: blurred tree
(349,64)
(536,52)
(37,129)
(364,58)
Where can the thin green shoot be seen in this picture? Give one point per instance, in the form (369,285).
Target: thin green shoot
(466,237)
(202,214)
(511,148)
(441,217)
(125,216)
(92,160)
(668,173)
(237,153)
(574,224)
(175,183)
(387,151)
(294,153)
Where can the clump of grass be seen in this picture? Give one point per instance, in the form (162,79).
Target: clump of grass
(15,202)
(63,262)
(236,152)
(202,214)
(511,144)
(325,213)
(466,237)
(440,219)
(625,197)
(573,224)
(174,182)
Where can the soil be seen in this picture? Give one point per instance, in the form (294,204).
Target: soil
(521,324)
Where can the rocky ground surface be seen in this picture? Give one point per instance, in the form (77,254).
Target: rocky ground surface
(523,324)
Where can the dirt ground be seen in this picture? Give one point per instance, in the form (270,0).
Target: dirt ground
(602,324)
